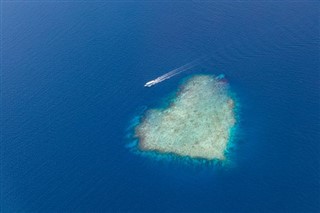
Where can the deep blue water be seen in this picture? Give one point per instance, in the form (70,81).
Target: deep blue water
(73,76)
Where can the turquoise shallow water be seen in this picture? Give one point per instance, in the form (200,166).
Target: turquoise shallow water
(72,79)
(196,123)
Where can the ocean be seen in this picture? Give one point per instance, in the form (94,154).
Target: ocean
(72,77)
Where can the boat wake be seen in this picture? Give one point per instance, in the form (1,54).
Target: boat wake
(173,72)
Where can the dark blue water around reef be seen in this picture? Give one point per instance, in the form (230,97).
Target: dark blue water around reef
(73,76)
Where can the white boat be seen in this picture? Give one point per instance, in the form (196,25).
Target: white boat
(150,83)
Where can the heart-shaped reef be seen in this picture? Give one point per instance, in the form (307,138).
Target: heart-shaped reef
(197,123)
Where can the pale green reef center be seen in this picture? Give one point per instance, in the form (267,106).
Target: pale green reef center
(196,124)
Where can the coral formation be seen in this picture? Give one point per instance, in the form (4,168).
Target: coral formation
(196,124)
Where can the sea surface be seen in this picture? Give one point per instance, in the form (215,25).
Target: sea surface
(72,76)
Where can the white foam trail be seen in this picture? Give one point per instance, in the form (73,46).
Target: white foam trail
(174,72)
